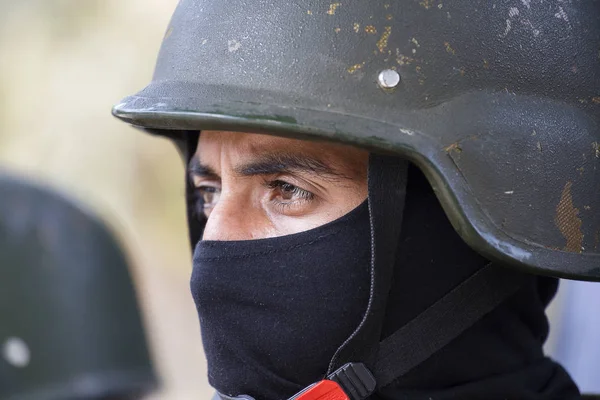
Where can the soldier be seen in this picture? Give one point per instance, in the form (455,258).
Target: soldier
(69,321)
(381,195)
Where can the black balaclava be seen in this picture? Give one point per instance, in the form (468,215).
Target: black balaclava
(279,338)
(273,311)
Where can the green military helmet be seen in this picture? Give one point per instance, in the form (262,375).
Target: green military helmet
(497,102)
(70,326)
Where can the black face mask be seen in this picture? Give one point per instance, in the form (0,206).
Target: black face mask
(274,311)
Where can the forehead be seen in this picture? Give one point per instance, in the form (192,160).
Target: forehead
(214,145)
(248,142)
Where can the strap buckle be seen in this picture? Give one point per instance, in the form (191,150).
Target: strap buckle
(352,381)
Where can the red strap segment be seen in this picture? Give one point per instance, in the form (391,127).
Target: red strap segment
(324,390)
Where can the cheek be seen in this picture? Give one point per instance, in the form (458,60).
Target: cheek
(239,215)
(342,200)
(288,226)
(327,211)
(245,218)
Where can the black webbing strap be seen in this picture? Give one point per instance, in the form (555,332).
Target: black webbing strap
(387,191)
(444,321)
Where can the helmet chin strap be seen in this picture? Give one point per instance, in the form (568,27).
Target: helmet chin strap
(387,180)
(444,321)
(437,325)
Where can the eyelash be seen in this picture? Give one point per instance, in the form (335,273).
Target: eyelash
(303,195)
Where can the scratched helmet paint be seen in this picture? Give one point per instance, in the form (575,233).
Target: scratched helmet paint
(497,102)
(69,321)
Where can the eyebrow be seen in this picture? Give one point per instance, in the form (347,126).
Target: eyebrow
(199,169)
(274,163)
(277,163)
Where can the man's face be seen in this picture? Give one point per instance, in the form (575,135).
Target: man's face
(259,186)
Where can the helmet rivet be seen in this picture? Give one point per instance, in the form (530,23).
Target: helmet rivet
(16,352)
(388,79)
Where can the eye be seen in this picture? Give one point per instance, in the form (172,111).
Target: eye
(208,197)
(287,193)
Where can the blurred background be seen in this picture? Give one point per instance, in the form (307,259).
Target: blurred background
(63,64)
